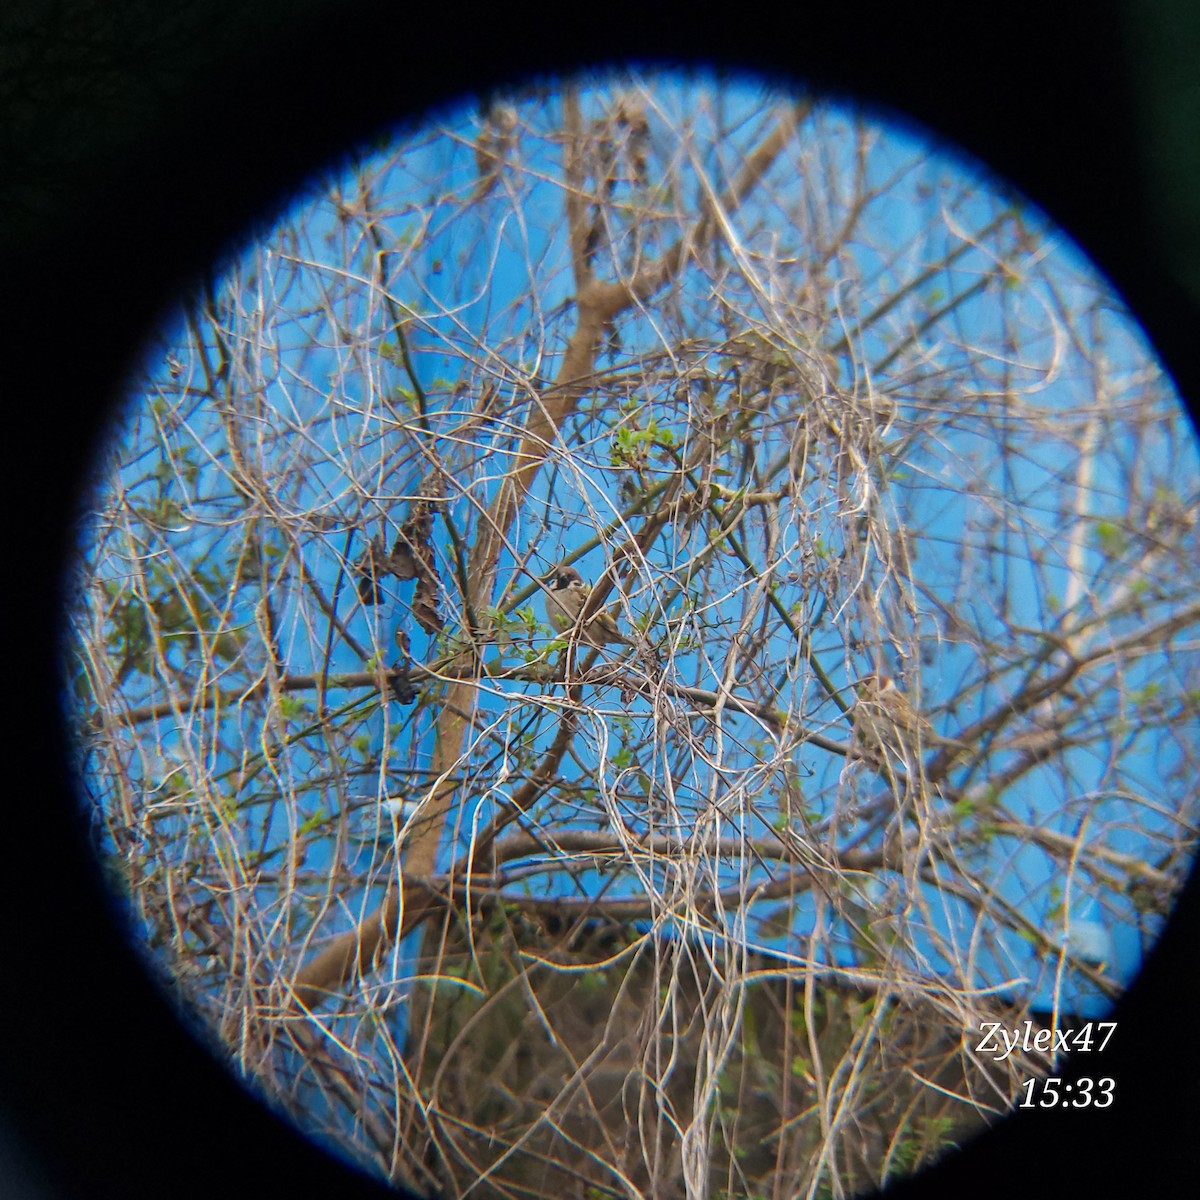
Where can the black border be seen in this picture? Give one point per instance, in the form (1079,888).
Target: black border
(137,138)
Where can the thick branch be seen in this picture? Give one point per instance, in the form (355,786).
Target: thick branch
(598,303)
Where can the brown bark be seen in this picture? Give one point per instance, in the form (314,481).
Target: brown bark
(598,304)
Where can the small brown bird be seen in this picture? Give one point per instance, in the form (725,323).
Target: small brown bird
(565,599)
(885,717)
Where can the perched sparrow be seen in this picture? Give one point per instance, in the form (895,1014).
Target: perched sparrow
(565,599)
(884,716)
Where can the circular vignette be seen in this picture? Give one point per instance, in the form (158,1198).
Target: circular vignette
(875,419)
(116,249)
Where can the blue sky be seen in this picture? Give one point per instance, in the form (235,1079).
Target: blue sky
(487,292)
